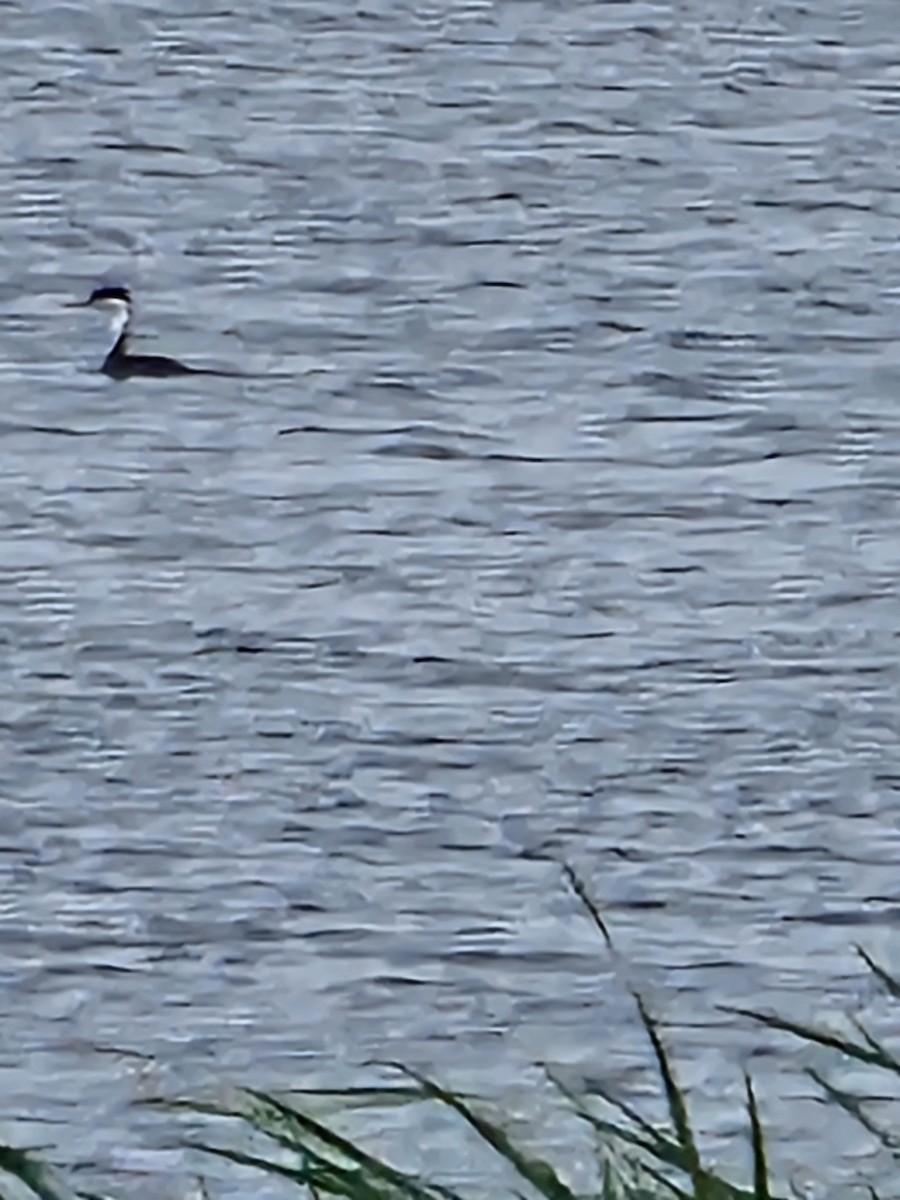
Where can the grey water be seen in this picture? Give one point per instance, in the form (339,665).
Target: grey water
(557,517)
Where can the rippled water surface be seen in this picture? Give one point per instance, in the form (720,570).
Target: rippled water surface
(558,514)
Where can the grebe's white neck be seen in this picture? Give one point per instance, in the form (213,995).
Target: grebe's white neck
(117,312)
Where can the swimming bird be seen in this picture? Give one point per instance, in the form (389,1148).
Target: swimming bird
(120,363)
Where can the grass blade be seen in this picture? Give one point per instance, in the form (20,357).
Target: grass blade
(649,1139)
(302,1126)
(660,1178)
(891,984)
(853,1106)
(757,1141)
(580,890)
(678,1111)
(876,1058)
(35,1175)
(320,1176)
(535,1171)
(296,1132)
(875,1046)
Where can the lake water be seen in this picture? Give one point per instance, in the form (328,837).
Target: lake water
(558,516)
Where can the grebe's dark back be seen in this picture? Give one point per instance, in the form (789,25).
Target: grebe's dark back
(120,363)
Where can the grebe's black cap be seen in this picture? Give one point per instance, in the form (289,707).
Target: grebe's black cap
(98,295)
(109,293)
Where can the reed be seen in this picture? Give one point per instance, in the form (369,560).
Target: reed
(636,1159)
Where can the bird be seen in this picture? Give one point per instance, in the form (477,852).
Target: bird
(120,363)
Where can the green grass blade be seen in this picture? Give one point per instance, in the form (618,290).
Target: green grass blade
(535,1171)
(316,1173)
(678,1111)
(296,1132)
(37,1177)
(626,1179)
(659,1178)
(758,1144)
(705,1183)
(300,1126)
(319,1177)
(610,1187)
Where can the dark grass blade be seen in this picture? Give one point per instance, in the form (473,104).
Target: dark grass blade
(609,1184)
(295,1131)
(303,1126)
(650,1152)
(659,1178)
(643,1136)
(705,1184)
(317,1173)
(881,973)
(580,890)
(758,1144)
(712,1185)
(625,1182)
(317,1176)
(621,1133)
(873,1057)
(37,1177)
(853,1106)
(875,1046)
(535,1171)
(678,1112)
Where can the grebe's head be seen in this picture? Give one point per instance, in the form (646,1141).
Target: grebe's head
(114,302)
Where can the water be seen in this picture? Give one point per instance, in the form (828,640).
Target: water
(559,517)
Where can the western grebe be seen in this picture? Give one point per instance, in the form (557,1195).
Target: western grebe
(120,363)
